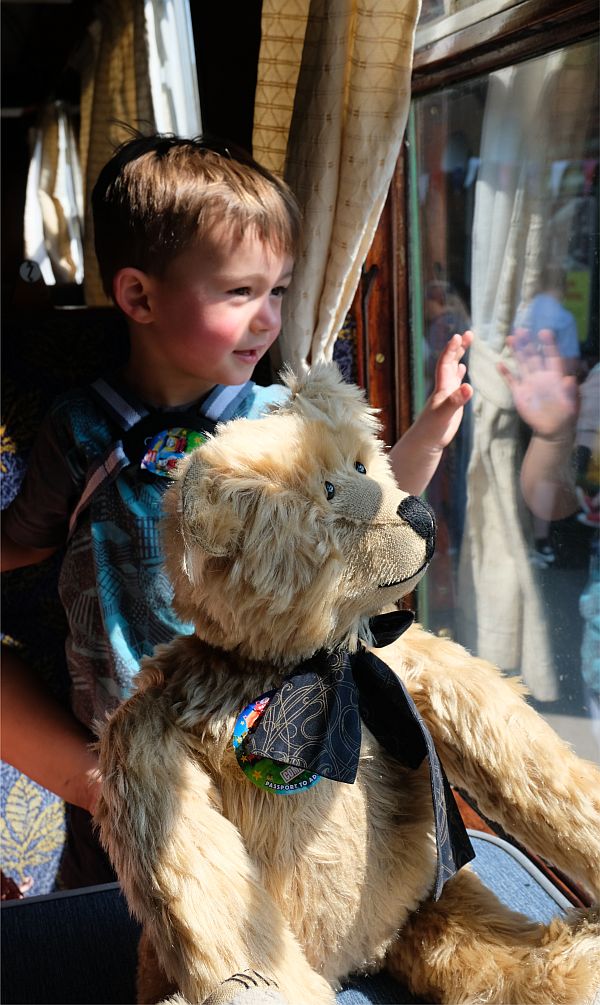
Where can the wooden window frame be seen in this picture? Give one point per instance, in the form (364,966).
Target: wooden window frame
(381,307)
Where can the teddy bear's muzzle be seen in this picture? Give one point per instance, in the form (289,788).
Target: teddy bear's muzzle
(420,516)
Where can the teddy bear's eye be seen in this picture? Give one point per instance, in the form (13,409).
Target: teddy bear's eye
(360,468)
(330,490)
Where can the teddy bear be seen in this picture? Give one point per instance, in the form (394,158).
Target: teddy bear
(275,797)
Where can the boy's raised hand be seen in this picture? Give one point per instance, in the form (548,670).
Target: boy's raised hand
(417,454)
(443,410)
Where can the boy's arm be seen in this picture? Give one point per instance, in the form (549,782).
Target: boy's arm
(42,739)
(416,455)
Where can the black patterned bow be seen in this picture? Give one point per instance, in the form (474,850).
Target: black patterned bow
(313,721)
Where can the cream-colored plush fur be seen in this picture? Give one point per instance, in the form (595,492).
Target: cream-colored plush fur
(311,887)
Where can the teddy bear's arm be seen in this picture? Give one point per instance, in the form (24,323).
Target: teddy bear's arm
(183,866)
(504,754)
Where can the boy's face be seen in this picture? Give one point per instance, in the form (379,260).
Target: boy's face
(217,310)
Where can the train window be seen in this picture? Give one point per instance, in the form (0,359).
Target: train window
(503,195)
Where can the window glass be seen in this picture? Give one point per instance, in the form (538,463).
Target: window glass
(504,240)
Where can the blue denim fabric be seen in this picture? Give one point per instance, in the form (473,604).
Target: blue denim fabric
(377,990)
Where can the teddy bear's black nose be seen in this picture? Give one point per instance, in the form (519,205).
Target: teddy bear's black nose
(420,517)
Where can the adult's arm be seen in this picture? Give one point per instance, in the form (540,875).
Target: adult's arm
(44,740)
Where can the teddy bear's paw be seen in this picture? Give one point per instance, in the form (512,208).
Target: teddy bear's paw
(247,988)
(572,965)
(564,970)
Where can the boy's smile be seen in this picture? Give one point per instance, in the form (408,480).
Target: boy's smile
(209,319)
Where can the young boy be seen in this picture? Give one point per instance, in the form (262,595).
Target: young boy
(196,247)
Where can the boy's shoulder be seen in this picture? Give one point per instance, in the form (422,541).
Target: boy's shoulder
(78,419)
(74,400)
(241,401)
(84,413)
(261,398)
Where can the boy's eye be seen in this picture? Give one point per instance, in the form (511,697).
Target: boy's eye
(241,291)
(360,468)
(279,291)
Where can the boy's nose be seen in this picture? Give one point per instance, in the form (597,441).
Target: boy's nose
(266,318)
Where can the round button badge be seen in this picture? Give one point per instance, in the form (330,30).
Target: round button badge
(281,779)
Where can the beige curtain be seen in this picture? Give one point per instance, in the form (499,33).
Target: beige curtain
(350,86)
(502,616)
(283,27)
(140,70)
(115,90)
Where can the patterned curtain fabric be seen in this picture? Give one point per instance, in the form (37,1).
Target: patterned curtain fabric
(141,72)
(283,27)
(350,90)
(115,91)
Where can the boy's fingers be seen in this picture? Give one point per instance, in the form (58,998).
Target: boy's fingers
(459,397)
(464,393)
(455,347)
(448,364)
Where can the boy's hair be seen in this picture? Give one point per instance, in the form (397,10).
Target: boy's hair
(158,195)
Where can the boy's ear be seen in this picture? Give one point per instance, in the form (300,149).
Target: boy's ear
(131,288)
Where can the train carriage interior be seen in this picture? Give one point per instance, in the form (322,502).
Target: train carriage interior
(488,221)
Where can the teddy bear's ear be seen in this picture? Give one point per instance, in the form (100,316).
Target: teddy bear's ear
(323,393)
(317,384)
(207,519)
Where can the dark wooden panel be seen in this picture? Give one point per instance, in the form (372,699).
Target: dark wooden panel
(374,308)
(400,259)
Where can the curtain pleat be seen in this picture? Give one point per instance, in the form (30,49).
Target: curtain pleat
(345,132)
(115,91)
(283,27)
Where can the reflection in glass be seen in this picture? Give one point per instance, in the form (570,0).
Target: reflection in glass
(504,228)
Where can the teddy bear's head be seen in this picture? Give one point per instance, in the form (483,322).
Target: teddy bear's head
(283,535)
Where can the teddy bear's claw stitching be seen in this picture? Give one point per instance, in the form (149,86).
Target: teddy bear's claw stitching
(249,996)
(246,988)
(238,991)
